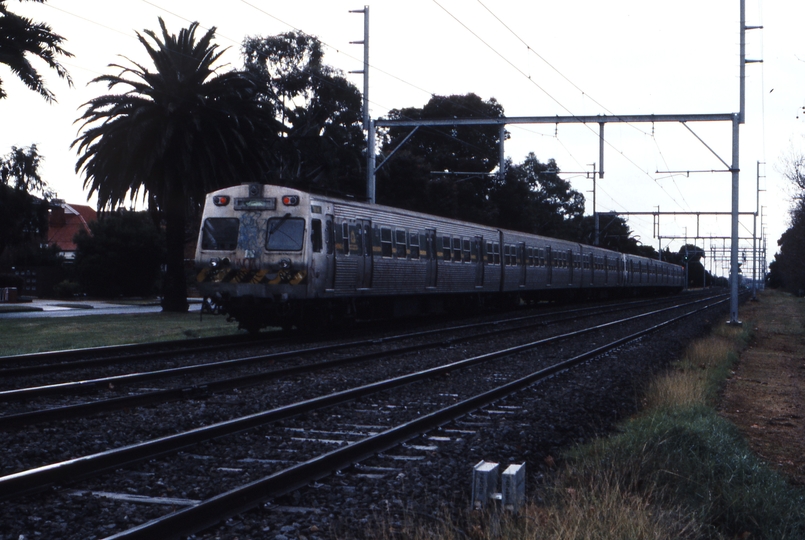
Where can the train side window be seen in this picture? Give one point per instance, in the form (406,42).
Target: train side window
(467,253)
(399,243)
(496,248)
(343,247)
(456,249)
(220,233)
(356,239)
(505,255)
(490,256)
(446,248)
(385,242)
(316,239)
(413,244)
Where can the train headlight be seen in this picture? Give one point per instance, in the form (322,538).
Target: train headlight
(221,200)
(285,264)
(214,262)
(290,200)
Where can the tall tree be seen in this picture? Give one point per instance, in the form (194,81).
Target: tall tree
(320,113)
(443,170)
(121,257)
(20,38)
(23,214)
(788,268)
(545,203)
(179,131)
(614,233)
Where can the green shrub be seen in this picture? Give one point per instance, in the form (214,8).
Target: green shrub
(694,458)
(66,289)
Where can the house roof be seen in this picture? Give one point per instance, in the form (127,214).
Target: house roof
(76,218)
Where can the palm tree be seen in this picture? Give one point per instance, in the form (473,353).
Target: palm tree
(20,37)
(178,132)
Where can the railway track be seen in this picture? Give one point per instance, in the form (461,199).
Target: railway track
(44,410)
(382,414)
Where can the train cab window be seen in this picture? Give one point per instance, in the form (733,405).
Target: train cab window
(344,247)
(285,234)
(446,248)
(385,242)
(413,244)
(467,253)
(220,233)
(456,249)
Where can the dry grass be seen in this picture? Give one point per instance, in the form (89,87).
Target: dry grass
(580,507)
(692,380)
(599,507)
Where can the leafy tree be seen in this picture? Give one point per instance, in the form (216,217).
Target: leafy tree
(319,112)
(614,233)
(178,132)
(443,170)
(23,215)
(691,253)
(546,203)
(788,268)
(121,257)
(20,167)
(20,38)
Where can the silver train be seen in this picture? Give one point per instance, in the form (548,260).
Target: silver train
(274,256)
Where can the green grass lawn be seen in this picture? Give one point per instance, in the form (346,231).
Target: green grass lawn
(20,336)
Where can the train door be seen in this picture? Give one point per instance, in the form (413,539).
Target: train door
(521,260)
(548,266)
(430,258)
(360,243)
(478,254)
(329,251)
(570,263)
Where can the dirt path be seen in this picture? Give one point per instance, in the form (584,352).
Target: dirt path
(765,397)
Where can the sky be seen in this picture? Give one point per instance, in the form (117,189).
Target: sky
(538,58)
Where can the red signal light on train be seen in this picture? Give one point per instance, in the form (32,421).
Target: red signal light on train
(221,200)
(290,200)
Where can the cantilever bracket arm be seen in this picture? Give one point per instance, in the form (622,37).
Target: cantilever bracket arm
(405,140)
(706,146)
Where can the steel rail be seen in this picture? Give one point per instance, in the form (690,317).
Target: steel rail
(115,350)
(200,390)
(88,385)
(184,347)
(70,470)
(119,350)
(212,511)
